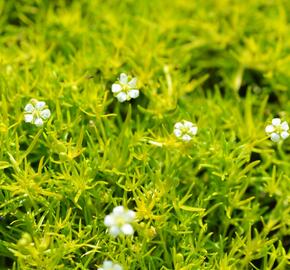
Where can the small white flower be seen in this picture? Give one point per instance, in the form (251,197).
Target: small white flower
(125,88)
(109,265)
(277,131)
(119,221)
(185,130)
(36,112)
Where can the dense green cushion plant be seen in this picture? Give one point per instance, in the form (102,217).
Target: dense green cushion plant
(220,201)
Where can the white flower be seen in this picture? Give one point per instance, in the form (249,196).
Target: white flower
(109,265)
(119,221)
(278,130)
(36,112)
(185,130)
(125,88)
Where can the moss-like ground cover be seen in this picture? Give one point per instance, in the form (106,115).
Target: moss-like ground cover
(220,201)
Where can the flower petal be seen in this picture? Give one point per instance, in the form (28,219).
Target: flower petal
(121,97)
(127,229)
(193,130)
(119,210)
(29,108)
(131,215)
(177,132)
(114,231)
(187,124)
(134,93)
(186,138)
(285,126)
(123,78)
(133,83)
(117,267)
(270,129)
(28,118)
(40,105)
(109,221)
(284,135)
(38,122)
(107,264)
(178,125)
(45,114)
(116,88)
(275,137)
(276,121)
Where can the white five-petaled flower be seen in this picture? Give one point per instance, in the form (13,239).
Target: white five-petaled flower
(119,221)
(125,88)
(278,130)
(185,130)
(36,112)
(109,265)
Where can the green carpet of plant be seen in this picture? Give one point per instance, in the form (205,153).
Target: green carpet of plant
(220,201)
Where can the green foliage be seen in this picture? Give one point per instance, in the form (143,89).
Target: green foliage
(219,202)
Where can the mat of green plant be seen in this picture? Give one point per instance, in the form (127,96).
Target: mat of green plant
(220,201)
